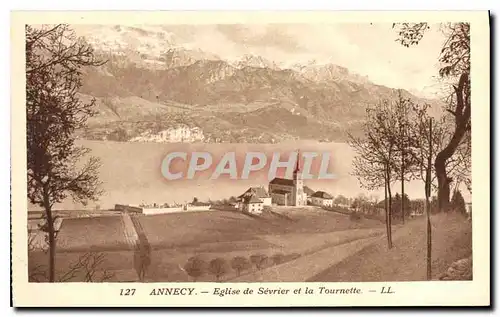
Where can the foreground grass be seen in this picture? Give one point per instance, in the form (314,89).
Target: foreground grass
(406,261)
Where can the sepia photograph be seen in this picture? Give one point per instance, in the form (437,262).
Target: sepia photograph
(269,152)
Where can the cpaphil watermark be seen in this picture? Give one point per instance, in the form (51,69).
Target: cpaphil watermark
(309,165)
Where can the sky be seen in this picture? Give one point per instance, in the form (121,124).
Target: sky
(366,49)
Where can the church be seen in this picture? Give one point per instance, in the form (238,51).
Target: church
(288,192)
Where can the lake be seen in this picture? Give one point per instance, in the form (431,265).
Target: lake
(131,172)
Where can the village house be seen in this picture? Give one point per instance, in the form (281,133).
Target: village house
(252,204)
(288,192)
(321,198)
(259,192)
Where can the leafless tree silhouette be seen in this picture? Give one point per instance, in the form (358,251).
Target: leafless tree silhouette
(54,62)
(455,66)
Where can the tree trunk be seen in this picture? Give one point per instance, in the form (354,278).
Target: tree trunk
(402,197)
(429,238)
(390,210)
(388,206)
(462,124)
(443,195)
(402,133)
(428,205)
(52,240)
(387,214)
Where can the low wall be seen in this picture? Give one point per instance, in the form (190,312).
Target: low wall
(157,211)
(198,208)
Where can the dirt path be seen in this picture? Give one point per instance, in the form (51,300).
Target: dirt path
(309,265)
(130,232)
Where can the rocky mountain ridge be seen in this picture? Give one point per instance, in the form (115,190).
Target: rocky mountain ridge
(144,89)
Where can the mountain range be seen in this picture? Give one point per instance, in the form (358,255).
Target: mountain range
(169,93)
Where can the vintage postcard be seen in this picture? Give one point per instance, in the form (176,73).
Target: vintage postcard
(250,159)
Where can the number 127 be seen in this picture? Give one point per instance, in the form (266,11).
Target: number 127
(127,291)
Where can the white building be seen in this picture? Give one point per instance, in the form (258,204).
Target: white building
(252,204)
(179,133)
(259,192)
(321,198)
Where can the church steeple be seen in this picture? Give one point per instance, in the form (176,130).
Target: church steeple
(296,171)
(298,186)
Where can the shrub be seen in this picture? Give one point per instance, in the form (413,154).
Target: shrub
(258,260)
(355,216)
(458,203)
(195,267)
(290,257)
(218,267)
(278,258)
(267,209)
(240,263)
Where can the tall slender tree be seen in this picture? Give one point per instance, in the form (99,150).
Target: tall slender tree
(404,111)
(374,165)
(55,58)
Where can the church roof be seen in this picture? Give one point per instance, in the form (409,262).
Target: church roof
(280,192)
(252,200)
(308,190)
(259,192)
(322,194)
(282,181)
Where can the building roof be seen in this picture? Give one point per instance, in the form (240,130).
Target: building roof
(252,200)
(322,194)
(282,181)
(308,190)
(280,192)
(260,192)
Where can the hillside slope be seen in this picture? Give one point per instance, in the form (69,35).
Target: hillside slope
(406,261)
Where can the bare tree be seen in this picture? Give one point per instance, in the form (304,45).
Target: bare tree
(375,163)
(54,62)
(403,108)
(455,66)
(429,137)
(457,167)
(425,137)
(87,268)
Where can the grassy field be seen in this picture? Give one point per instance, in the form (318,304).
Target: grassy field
(406,261)
(197,228)
(174,238)
(96,233)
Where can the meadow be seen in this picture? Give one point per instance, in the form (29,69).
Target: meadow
(174,238)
